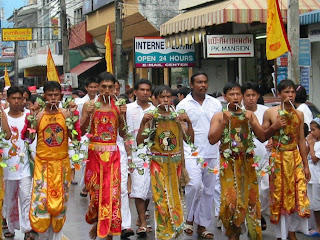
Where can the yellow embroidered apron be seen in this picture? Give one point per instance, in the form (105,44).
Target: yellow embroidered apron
(51,175)
(288,189)
(239,186)
(165,170)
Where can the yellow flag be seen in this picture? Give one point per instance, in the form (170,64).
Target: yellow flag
(52,73)
(277,41)
(109,56)
(7,82)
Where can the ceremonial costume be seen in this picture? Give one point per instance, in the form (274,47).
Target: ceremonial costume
(199,192)
(288,189)
(51,176)
(17,178)
(165,168)
(102,175)
(239,186)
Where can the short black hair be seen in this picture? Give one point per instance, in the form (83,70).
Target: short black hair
(301,94)
(34,97)
(175,92)
(90,80)
(197,74)
(230,85)
(25,89)
(184,91)
(162,88)
(142,81)
(76,92)
(51,86)
(106,76)
(285,84)
(250,85)
(13,90)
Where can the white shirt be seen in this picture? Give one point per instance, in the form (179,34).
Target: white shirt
(200,117)
(307,114)
(135,114)
(17,151)
(260,149)
(82,101)
(315,167)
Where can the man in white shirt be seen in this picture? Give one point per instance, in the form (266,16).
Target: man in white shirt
(91,86)
(140,188)
(250,91)
(18,179)
(126,230)
(200,108)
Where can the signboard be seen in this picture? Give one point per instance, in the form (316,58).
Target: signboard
(224,46)
(35,72)
(7,65)
(305,77)
(314,32)
(152,52)
(304,52)
(283,60)
(282,67)
(16,34)
(7,52)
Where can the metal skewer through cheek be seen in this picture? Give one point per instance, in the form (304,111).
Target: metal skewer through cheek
(289,102)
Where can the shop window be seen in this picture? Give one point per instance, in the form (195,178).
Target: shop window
(179,77)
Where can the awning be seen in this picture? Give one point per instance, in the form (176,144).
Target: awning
(39,60)
(188,25)
(310,18)
(82,67)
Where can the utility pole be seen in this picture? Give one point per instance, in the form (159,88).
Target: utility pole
(16,52)
(118,65)
(64,34)
(293,26)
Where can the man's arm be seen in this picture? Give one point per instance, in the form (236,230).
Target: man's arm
(122,117)
(5,125)
(218,122)
(186,125)
(145,123)
(87,111)
(302,147)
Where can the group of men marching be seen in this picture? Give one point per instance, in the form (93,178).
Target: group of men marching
(213,151)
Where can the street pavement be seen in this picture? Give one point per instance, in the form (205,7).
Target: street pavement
(76,227)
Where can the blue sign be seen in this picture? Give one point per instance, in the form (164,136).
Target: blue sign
(282,73)
(305,77)
(304,52)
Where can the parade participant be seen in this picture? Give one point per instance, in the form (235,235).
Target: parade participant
(32,89)
(140,188)
(91,86)
(313,140)
(102,174)
(289,203)
(18,180)
(26,97)
(6,135)
(300,103)
(250,91)
(166,162)
(199,193)
(126,230)
(239,188)
(52,169)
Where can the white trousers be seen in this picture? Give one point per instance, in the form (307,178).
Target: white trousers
(141,184)
(125,208)
(18,217)
(291,223)
(199,192)
(50,235)
(217,196)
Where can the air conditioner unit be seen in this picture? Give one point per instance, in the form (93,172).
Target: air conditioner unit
(71,79)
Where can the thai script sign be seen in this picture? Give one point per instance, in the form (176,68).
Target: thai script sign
(152,52)
(16,34)
(223,46)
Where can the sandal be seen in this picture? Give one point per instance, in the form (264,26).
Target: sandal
(149,228)
(142,232)
(9,235)
(206,235)
(83,193)
(126,233)
(28,236)
(188,229)
(263,224)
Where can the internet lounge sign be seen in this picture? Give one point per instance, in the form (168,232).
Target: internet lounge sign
(152,52)
(224,46)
